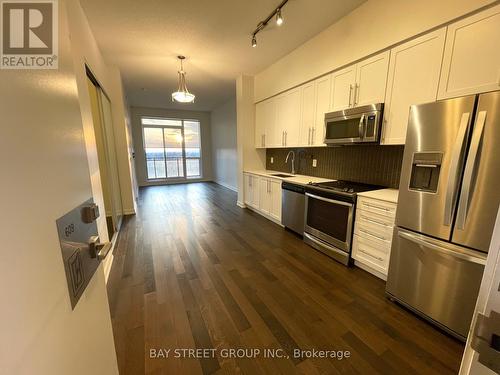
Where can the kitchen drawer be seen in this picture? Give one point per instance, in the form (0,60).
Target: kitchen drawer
(383,208)
(371,229)
(375,218)
(371,253)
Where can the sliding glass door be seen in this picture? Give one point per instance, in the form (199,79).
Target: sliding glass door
(172,148)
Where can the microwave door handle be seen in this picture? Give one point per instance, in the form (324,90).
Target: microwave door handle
(477,135)
(454,172)
(361,128)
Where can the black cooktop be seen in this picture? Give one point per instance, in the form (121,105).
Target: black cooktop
(343,186)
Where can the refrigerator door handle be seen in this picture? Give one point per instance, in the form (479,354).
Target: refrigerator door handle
(477,135)
(458,149)
(443,248)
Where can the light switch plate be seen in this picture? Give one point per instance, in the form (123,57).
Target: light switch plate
(315,163)
(272,160)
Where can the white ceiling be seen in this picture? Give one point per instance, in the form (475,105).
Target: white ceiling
(143,39)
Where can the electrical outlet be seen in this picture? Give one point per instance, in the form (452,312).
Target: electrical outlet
(315,163)
(272,160)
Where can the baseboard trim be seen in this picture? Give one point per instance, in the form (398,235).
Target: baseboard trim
(129,211)
(241,204)
(226,186)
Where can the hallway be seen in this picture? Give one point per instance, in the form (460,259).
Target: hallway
(193,270)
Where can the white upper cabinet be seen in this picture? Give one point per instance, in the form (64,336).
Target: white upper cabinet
(413,79)
(471,61)
(343,83)
(360,84)
(271,138)
(371,78)
(323,102)
(260,125)
(308,99)
(288,118)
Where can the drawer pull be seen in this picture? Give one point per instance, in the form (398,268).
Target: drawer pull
(376,207)
(373,235)
(380,259)
(374,221)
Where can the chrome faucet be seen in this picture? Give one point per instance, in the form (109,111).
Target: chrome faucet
(293,160)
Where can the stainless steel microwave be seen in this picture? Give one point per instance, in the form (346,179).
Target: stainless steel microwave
(354,125)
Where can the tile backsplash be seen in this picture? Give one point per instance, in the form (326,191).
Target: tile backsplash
(371,164)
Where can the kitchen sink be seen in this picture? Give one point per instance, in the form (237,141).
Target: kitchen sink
(282,175)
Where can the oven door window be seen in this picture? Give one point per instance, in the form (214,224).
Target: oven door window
(329,218)
(342,129)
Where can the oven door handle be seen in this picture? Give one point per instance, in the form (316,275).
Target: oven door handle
(329,200)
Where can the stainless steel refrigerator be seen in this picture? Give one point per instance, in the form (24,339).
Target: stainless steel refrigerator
(449,195)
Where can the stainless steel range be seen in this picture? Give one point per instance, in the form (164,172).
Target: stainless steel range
(329,216)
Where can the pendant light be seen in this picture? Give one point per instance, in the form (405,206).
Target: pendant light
(182,95)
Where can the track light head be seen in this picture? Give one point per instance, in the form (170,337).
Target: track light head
(279,18)
(254,41)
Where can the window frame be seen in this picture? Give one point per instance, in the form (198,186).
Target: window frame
(184,158)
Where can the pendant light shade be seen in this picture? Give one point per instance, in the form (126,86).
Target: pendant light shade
(182,95)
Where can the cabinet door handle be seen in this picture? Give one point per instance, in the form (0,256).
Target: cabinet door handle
(373,235)
(309,137)
(356,94)
(374,221)
(376,207)
(312,136)
(286,136)
(350,94)
(380,259)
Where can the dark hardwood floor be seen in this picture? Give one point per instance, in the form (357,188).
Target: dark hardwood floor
(193,270)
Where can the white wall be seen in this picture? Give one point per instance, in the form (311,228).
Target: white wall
(44,164)
(375,25)
(224,155)
(140,160)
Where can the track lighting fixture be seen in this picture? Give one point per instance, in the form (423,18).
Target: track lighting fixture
(279,20)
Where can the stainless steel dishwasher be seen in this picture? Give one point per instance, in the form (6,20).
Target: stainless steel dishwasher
(293,206)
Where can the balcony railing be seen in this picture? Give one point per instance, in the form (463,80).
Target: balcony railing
(158,168)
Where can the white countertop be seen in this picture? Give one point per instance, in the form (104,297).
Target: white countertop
(297,179)
(389,195)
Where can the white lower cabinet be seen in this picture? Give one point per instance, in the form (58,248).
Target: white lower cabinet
(251,190)
(263,195)
(373,229)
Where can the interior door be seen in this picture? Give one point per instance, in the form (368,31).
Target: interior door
(343,83)
(479,196)
(433,162)
(106,152)
(371,80)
